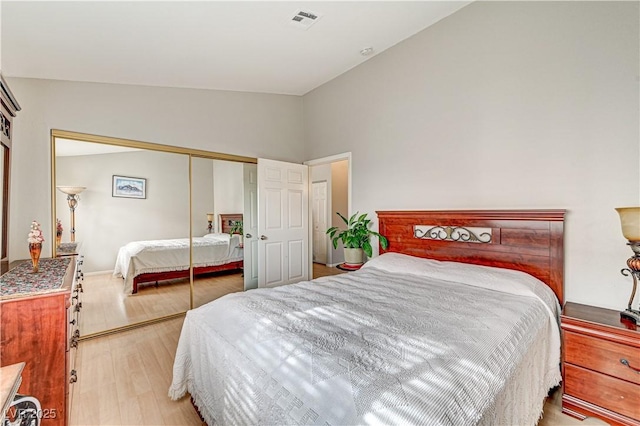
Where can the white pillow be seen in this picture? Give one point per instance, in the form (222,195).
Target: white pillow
(216,236)
(498,279)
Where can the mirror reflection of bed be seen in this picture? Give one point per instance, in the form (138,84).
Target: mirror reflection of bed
(105,224)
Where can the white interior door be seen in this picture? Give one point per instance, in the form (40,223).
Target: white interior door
(283,223)
(319,218)
(250,226)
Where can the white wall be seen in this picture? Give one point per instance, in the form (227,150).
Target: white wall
(256,125)
(228,189)
(217,188)
(105,223)
(502,105)
(202,200)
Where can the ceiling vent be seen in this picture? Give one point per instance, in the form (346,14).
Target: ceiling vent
(304,19)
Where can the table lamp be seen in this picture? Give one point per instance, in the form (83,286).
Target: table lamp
(210,220)
(630,222)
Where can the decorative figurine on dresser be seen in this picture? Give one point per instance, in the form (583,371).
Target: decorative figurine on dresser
(39,313)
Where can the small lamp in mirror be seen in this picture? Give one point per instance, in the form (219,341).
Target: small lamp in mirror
(210,220)
(72,198)
(630,222)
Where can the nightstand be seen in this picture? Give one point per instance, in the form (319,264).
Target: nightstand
(600,365)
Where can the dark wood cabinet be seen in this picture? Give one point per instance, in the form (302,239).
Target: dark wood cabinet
(8,109)
(39,328)
(600,365)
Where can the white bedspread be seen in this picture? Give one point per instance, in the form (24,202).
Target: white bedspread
(375,347)
(139,257)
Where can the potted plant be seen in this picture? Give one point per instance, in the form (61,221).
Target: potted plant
(356,238)
(236,228)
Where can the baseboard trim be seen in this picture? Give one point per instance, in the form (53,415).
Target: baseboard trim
(90,274)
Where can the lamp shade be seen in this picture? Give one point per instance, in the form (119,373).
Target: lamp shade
(210,217)
(71,190)
(630,222)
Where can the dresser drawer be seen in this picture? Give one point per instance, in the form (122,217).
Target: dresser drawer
(602,355)
(607,392)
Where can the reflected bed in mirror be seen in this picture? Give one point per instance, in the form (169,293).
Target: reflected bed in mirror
(141,262)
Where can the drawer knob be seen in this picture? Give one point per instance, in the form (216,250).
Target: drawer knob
(73,376)
(626,363)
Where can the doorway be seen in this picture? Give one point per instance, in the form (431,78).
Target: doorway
(319,215)
(330,193)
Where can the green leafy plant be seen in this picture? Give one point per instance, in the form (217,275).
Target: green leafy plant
(357,234)
(236,227)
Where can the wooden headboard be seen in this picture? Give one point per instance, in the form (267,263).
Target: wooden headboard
(525,240)
(227,220)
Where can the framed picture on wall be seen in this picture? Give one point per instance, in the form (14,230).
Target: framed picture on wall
(129,187)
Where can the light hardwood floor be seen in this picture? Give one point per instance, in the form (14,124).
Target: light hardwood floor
(106,306)
(123,379)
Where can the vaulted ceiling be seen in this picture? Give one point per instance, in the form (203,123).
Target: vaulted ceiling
(226,45)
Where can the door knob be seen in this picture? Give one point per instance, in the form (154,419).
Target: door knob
(263,237)
(248,236)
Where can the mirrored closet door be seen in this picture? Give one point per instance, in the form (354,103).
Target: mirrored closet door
(160,228)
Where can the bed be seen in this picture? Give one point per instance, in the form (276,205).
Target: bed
(456,324)
(155,260)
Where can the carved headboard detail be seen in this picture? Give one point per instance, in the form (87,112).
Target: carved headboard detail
(525,240)
(227,220)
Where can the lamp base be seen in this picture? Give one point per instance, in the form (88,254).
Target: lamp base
(631,315)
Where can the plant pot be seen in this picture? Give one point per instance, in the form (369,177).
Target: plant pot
(353,256)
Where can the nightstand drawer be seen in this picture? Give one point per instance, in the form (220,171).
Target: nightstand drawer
(607,392)
(602,355)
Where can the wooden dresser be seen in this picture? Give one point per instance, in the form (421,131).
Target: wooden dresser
(39,316)
(600,365)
